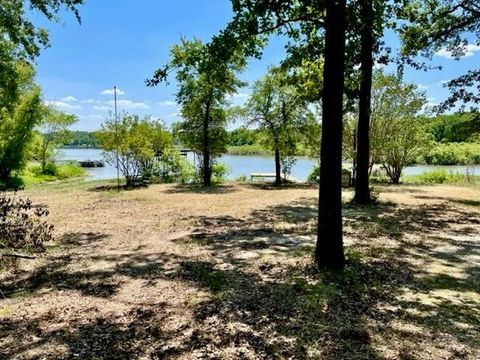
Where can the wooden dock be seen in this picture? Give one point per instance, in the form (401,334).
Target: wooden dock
(91,163)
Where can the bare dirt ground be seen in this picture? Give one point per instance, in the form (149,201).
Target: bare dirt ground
(227,273)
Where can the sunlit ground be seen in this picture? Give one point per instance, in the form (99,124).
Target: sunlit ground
(181,272)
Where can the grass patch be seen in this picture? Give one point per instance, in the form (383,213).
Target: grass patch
(441,176)
(70,170)
(205,275)
(32,176)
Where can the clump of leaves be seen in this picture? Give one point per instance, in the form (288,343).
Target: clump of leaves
(23,227)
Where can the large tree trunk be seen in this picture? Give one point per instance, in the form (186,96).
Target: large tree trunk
(362,190)
(329,251)
(5,174)
(278,168)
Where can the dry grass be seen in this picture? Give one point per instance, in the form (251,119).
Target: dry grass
(181,272)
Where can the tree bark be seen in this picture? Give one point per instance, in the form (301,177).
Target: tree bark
(329,250)
(5,174)
(207,173)
(362,189)
(278,169)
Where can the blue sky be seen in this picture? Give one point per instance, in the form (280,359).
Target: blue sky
(121,42)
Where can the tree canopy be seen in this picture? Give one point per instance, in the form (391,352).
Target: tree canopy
(205,83)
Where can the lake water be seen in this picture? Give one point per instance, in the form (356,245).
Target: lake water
(240,165)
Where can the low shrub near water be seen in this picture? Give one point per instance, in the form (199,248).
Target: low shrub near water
(441,176)
(220,171)
(314,176)
(54,171)
(241,179)
(70,170)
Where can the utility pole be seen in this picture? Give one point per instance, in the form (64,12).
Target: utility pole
(116,136)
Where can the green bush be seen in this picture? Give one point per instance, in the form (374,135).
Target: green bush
(50,169)
(34,173)
(173,167)
(241,178)
(439,176)
(69,170)
(314,176)
(220,171)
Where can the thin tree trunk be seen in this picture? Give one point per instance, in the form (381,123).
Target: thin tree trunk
(207,174)
(329,250)
(362,190)
(278,170)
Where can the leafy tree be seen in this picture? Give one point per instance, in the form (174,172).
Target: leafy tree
(54,133)
(277,109)
(139,143)
(17,29)
(316,29)
(428,26)
(242,136)
(18,120)
(398,133)
(455,127)
(204,83)
(21,40)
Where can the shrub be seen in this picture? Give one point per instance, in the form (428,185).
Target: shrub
(439,176)
(50,169)
(173,167)
(220,172)
(69,170)
(242,178)
(22,227)
(314,176)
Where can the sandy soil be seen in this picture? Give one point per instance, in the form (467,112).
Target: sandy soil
(174,272)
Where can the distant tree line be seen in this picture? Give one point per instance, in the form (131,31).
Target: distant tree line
(83,139)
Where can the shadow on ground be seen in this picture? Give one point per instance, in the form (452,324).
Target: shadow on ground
(386,301)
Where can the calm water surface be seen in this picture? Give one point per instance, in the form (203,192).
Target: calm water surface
(240,165)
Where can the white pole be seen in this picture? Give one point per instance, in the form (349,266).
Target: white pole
(116,136)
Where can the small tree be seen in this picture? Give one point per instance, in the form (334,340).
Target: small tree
(18,118)
(398,134)
(204,83)
(139,143)
(54,133)
(276,108)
